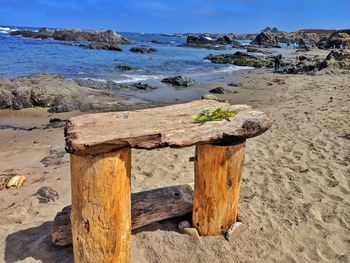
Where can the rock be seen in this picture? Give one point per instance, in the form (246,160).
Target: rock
(55,157)
(219,90)
(210,97)
(336,60)
(266,39)
(206,46)
(200,39)
(302,43)
(242,59)
(57,123)
(154,41)
(60,94)
(143,49)
(104,46)
(142,86)
(125,67)
(62,104)
(234,231)
(179,81)
(337,39)
(215,42)
(103,35)
(184,224)
(46,194)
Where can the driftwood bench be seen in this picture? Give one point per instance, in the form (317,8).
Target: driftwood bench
(100,147)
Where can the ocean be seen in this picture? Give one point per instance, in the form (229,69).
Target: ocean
(24,56)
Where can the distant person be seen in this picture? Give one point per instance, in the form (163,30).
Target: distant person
(295,45)
(341,46)
(278,59)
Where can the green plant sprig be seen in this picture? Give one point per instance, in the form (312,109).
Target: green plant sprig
(214,114)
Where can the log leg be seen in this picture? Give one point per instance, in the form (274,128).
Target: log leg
(101,207)
(218,171)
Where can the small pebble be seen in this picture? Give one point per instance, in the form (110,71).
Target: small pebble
(46,194)
(234,231)
(184,224)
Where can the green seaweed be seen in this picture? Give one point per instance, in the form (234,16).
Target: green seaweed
(214,114)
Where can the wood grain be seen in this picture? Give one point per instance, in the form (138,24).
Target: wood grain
(172,126)
(218,171)
(101,201)
(147,207)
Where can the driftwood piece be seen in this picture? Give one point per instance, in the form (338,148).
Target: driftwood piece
(146,207)
(172,126)
(218,171)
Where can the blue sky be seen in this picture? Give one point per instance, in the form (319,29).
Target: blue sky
(239,16)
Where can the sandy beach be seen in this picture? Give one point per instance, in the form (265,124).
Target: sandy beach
(294,202)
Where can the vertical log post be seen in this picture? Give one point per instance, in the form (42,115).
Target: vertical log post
(218,171)
(101,207)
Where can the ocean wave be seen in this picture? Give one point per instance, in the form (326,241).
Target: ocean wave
(135,78)
(94,79)
(7,30)
(127,78)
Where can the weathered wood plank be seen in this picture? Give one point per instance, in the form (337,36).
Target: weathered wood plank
(172,126)
(218,172)
(147,207)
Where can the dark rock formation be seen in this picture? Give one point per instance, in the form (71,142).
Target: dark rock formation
(154,41)
(103,35)
(266,39)
(206,46)
(219,90)
(46,194)
(179,81)
(335,61)
(212,41)
(241,59)
(337,39)
(143,49)
(100,45)
(125,67)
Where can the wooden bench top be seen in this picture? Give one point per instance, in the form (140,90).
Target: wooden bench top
(171,126)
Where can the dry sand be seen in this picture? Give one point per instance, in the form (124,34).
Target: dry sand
(295,197)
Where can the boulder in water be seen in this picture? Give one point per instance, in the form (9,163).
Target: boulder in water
(179,81)
(143,49)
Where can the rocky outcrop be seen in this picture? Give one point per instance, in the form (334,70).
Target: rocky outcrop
(100,45)
(337,39)
(265,39)
(143,50)
(211,41)
(103,35)
(241,59)
(179,81)
(59,94)
(336,61)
